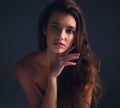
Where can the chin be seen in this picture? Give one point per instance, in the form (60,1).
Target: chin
(59,51)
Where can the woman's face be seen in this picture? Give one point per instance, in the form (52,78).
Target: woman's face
(60,32)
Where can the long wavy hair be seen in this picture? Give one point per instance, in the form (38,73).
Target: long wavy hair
(74,82)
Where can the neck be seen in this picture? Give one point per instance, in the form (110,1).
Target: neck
(51,58)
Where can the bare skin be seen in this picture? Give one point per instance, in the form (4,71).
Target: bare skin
(40,70)
(30,73)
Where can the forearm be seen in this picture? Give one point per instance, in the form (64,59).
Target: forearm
(50,98)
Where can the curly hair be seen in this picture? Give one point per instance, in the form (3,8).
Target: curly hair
(74,82)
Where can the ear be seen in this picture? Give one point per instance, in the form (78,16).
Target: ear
(44,31)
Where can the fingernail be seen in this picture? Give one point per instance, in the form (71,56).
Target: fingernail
(74,63)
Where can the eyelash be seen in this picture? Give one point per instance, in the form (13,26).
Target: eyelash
(57,28)
(70,31)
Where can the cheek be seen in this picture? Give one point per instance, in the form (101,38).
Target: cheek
(49,37)
(71,40)
(49,34)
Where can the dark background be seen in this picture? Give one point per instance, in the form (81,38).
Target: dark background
(18,37)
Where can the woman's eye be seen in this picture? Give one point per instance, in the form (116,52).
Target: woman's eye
(70,31)
(55,27)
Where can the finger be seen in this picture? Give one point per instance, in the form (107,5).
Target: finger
(69,50)
(71,57)
(69,64)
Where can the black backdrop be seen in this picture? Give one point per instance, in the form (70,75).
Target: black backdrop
(18,37)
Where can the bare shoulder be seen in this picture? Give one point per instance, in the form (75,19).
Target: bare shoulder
(27,65)
(22,65)
(23,69)
(26,61)
(30,69)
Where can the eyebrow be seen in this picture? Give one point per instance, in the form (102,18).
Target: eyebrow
(71,27)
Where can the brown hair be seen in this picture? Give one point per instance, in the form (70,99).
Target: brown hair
(74,82)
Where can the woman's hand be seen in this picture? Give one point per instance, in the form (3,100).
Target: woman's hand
(62,61)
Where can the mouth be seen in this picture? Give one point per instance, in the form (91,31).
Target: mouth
(59,44)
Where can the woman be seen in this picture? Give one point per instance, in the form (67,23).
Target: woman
(65,72)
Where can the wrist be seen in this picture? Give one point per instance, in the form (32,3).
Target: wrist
(52,83)
(52,78)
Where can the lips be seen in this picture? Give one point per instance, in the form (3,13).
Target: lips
(59,44)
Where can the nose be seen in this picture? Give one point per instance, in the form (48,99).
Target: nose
(61,34)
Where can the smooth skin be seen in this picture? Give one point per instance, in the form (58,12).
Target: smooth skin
(43,68)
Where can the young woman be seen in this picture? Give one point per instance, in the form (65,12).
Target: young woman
(65,72)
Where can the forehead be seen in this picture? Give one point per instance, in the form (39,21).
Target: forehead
(62,19)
